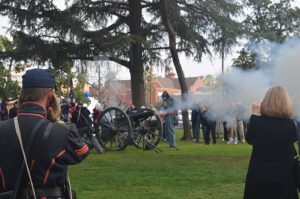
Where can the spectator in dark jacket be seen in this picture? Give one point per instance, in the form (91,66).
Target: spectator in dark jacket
(272,133)
(210,125)
(81,117)
(196,120)
(52,149)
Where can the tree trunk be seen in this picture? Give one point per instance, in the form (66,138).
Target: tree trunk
(176,61)
(136,54)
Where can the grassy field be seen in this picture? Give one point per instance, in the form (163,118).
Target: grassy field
(195,171)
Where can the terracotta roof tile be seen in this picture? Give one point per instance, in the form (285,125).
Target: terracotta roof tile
(173,83)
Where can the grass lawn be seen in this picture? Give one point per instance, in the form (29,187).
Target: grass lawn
(195,171)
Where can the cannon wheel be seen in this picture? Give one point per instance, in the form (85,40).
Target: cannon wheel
(148,133)
(114,129)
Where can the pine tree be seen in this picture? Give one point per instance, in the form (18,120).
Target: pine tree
(128,32)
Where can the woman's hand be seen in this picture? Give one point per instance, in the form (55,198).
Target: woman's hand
(256,108)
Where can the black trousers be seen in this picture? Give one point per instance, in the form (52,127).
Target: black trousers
(210,128)
(225,131)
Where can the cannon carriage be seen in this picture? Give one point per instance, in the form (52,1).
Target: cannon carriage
(116,129)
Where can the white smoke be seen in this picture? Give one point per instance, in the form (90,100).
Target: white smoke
(287,71)
(279,64)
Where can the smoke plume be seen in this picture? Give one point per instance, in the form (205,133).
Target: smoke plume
(278,65)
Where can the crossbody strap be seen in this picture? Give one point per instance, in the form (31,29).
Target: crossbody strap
(18,132)
(20,173)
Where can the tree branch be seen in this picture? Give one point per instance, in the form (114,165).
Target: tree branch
(159,48)
(120,61)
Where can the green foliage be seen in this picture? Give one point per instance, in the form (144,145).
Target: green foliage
(227,29)
(78,90)
(200,24)
(44,32)
(269,21)
(211,82)
(272,21)
(8,88)
(63,77)
(246,60)
(2,80)
(128,32)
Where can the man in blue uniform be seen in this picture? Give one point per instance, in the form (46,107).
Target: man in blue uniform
(168,112)
(53,148)
(196,121)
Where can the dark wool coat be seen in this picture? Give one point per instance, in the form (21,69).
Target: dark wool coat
(49,155)
(271,172)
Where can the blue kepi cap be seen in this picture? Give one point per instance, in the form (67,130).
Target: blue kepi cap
(38,78)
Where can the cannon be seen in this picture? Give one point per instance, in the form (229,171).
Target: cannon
(146,129)
(116,129)
(113,129)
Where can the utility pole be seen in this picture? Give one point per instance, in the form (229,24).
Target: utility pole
(98,70)
(150,83)
(71,91)
(223,57)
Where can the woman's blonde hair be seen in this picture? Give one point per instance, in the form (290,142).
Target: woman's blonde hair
(277,103)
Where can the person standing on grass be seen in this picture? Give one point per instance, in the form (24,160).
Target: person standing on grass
(210,125)
(272,133)
(196,120)
(240,114)
(167,113)
(232,132)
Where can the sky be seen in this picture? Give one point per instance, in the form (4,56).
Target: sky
(208,65)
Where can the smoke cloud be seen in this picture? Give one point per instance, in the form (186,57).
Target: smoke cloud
(278,65)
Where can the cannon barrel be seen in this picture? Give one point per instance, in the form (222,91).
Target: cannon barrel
(143,114)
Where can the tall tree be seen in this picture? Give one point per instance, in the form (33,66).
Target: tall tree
(246,60)
(272,21)
(197,24)
(128,32)
(173,48)
(267,21)
(8,87)
(226,35)
(84,30)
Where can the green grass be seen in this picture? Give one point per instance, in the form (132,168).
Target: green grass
(195,171)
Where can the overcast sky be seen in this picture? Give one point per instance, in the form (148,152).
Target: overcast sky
(191,68)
